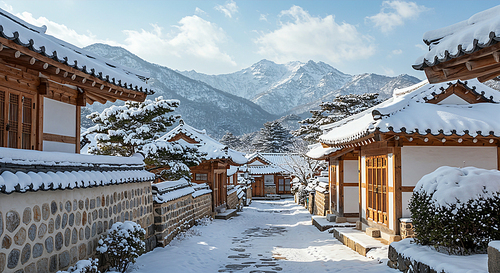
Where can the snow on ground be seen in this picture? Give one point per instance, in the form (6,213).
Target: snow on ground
(268,236)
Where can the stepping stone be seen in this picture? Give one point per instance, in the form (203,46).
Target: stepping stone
(237,266)
(238,249)
(277,268)
(249,262)
(266,259)
(263,265)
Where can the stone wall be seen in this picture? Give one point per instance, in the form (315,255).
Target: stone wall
(202,206)
(47,231)
(172,217)
(270,189)
(310,203)
(321,201)
(249,195)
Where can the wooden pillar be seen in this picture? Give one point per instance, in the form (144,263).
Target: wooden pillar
(398,196)
(341,188)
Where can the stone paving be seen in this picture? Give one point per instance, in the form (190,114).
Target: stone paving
(243,261)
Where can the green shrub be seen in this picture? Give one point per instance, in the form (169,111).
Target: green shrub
(458,228)
(122,245)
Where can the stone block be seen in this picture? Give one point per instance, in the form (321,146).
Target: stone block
(373,232)
(394,238)
(341,219)
(493,260)
(331,217)
(359,225)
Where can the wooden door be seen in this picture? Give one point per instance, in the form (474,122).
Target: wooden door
(258,188)
(377,180)
(17,120)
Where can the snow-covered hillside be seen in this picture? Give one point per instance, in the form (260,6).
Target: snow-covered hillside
(202,105)
(279,88)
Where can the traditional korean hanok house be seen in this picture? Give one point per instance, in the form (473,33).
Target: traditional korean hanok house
(272,172)
(465,50)
(388,148)
(54,202)
(213,169)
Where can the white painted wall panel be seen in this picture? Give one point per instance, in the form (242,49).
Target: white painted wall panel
(59,118)
(351,171)
(391,210)
(363,190)
(406,200)
(351,200)
(52,146)
(418,161)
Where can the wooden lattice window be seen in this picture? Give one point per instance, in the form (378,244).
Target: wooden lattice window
(16,120)
(201,176)
(377,180)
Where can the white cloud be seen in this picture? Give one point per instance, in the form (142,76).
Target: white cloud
(263,17)
(422,47)
(63,32)
(306,37)
(194,41)
(229,9)
(199,11)
(388,71)
(397,52)
(192,44)
(395,13)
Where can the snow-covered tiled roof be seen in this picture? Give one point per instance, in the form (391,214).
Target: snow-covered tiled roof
(26,159)
(26,170)
(479,31)
(201,189)
(266,169)
(35,181)
(317,151)
(407,112)
(206,144)
(35,39)
(170,190)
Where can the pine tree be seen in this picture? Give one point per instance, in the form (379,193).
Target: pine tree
(135,128)
(341,107)
(273,138)
(231,141)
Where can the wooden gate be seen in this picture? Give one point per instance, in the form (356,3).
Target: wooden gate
(258,188)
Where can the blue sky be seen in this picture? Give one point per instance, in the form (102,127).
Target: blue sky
(215,37)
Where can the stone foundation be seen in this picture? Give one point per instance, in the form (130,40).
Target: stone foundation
(406,229)
(47,231)
(310,203)
(269,189)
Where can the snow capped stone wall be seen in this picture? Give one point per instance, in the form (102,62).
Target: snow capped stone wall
(47,231)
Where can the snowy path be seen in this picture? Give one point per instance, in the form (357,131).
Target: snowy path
(268,236)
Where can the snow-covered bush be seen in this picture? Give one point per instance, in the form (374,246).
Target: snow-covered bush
(457,210)
(122,245)
(84,266)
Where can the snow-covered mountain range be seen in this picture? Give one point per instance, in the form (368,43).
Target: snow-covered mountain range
(202,105)
(241,102)
(296,87)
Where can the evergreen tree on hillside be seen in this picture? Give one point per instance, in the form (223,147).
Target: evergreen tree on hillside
(231,141)
(341,107)
(273,138)
(135,128)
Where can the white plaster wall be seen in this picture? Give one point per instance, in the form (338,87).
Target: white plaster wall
(337,190)
(52,146)
(391,210)
(59,118)
(418,161)
(454,99)
(269,180)
(363,190)
(406,200)
(351,200)
(351,171)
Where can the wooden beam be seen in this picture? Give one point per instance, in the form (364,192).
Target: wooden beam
(59,138)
